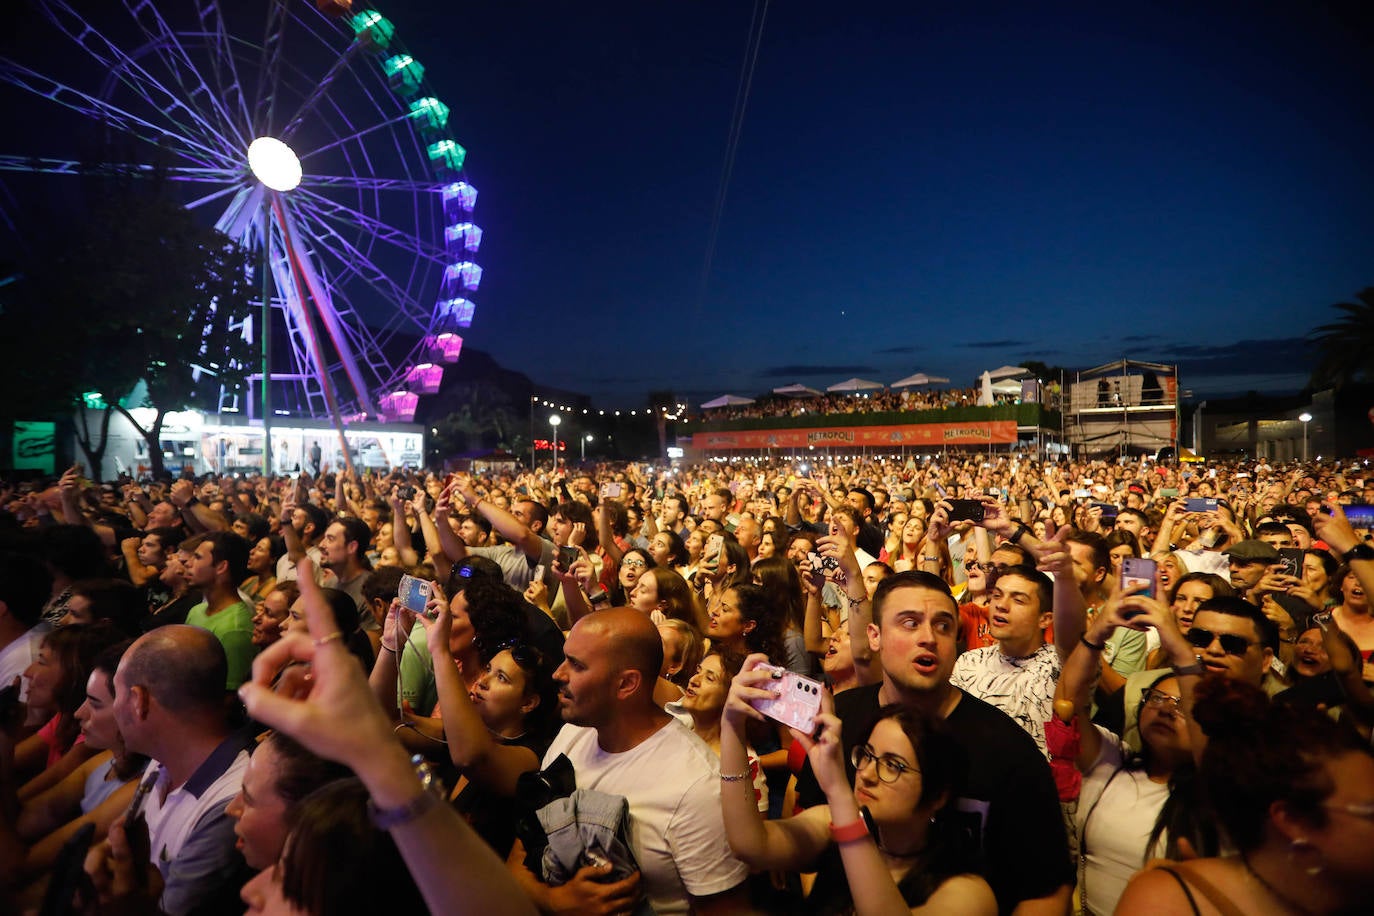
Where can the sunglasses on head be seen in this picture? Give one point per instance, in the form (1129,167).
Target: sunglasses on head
(1231,643)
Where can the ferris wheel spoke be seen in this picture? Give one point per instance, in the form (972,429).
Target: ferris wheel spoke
(124,69)
(301,285)
(385,232)
(310,276)
(98,109)
(362,267)
(77,167)
(222,63)
(178,61)
(370,183)
(321,90)
(358,135)
(269,68)
(363,341)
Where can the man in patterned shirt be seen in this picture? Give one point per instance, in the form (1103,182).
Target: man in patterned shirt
(1019,673)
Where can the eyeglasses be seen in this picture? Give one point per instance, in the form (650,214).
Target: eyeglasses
(972,565)
(1231,643)
(634,563)
(1164,702)
(890,768)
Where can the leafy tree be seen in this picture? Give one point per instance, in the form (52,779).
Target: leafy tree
(140,291)
(1345,347)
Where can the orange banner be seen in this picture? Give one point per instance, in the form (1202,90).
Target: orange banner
(935,435)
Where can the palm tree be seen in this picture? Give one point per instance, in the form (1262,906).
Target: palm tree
(1345,347)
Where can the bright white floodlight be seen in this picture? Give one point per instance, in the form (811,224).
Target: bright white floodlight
(274,164)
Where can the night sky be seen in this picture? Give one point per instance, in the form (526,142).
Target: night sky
(944,187)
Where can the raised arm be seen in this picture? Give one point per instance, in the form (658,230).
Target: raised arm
(867,666)
(400,532)
(446,548)
(485,761)
(790,844)
(813,584)
(1070,614)
(1079,676)
(194,513)
(454,869)
(1187,664)
(602,518)
(502,522)
(139,574)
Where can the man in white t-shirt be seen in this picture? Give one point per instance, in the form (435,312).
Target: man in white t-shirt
(1018,675)
(621,743)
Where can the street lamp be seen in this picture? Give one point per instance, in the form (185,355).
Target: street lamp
(585,439)
(1306,418)
(554,421)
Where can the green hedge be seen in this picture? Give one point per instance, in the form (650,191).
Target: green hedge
(1023,414)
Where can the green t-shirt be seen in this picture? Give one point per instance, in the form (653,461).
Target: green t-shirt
(233,627)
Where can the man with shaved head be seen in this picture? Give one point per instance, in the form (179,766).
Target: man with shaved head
(622,743)
(169,704)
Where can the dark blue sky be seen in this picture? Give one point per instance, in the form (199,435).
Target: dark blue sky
(944,187)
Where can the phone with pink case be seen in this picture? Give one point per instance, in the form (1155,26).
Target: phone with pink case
(797,703)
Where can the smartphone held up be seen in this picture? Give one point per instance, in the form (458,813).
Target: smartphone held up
(797,702)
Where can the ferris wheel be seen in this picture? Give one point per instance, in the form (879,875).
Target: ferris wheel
(305,132)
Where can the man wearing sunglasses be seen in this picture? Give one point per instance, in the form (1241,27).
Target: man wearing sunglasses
(1233,639)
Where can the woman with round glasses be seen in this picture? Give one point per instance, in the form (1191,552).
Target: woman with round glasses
(1294,793)
(881,845)
(633,565)
(1125,815)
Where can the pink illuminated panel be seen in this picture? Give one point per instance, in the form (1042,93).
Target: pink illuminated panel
(447,347)
(399,406)
(425,378)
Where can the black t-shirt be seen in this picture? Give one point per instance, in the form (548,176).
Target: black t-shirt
(1007,801)
(1324,689)
(870,539)
(494,816)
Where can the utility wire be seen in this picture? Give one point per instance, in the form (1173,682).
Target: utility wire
(746,82)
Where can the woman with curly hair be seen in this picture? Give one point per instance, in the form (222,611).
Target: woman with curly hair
(1294,793)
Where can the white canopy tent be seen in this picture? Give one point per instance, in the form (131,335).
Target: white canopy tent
(919,378)
(855,384)
(727,400)
(1009,372)
(797,390)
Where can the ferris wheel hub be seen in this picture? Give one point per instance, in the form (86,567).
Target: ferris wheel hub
(274,164)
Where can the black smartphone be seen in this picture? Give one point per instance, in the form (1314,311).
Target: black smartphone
(567,556)
(965,510)
(1290,558)
(1200,504)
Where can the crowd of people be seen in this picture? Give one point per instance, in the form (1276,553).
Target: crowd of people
(876,401)
(969,685)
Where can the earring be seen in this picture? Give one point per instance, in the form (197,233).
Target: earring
(1300,845)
